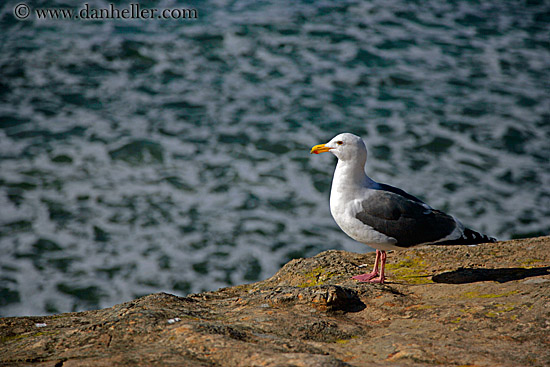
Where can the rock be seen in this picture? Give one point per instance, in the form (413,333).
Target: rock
(486,305)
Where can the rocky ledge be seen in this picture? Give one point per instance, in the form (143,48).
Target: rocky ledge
(487,305)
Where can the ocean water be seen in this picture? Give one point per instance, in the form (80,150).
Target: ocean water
(139,156)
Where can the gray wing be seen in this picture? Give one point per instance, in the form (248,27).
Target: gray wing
(398,191)
(409,222)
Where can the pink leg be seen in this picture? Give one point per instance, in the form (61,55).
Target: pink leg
(381,278)
(368,276)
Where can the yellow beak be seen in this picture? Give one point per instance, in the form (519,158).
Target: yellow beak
(321,148)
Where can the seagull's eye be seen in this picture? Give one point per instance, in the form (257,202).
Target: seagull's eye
(339,142)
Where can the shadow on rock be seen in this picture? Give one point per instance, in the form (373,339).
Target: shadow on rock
(463,275)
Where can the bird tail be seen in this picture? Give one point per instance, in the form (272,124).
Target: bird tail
(469,237)
(473,237)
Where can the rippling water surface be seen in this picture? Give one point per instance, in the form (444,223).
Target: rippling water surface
(173,155)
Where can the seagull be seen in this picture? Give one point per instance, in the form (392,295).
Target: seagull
(382,216)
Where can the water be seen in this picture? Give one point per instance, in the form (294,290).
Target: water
(173,155)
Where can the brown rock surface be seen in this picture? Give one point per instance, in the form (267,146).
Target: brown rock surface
(487,305)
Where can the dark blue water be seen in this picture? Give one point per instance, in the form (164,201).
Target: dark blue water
(142,156)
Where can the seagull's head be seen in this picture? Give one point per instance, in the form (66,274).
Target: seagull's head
(345,147)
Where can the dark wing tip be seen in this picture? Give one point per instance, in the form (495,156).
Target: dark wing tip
(476,237)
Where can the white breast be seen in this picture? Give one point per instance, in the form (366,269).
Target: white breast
(344,209)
